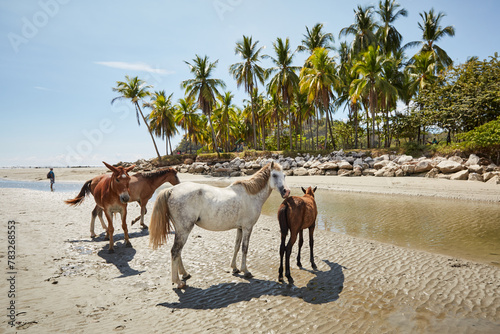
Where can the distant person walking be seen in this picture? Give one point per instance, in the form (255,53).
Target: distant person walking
(52,178)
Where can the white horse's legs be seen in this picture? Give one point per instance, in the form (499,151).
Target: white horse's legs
(244,250)
(176,251)
(236,250)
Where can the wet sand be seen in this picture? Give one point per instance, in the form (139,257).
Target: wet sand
(66,282)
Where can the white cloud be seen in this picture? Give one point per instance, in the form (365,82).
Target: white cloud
(45,89)
(143,67)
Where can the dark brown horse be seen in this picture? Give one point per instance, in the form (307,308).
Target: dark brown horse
(141,188)
(296,214)
(111,194)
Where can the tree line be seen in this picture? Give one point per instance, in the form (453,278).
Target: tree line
(292,107)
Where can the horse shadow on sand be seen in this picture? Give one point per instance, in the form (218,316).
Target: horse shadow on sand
(122,256)
(324,288)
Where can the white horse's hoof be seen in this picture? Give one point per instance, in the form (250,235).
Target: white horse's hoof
(186,277)
(181,285)
(248,274)
(236,271)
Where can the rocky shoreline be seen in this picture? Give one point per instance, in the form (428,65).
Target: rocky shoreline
(351,165)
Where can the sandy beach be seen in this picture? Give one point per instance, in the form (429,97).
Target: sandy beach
(63,281)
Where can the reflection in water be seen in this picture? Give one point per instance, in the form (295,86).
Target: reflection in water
(466,229)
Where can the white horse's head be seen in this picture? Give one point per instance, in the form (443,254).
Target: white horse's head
(277,180)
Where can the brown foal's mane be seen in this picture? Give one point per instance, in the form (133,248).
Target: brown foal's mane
(155,174)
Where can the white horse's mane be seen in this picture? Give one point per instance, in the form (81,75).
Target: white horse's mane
(259,180)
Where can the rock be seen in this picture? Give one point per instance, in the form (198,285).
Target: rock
(423,166)
(344,172)
(344,165)
(475,177)
(408,169)
(315,171)
(404,159)
(381,164)
(461,175)
(456,159)
(399,172)
(494,180)
(301,171)
(331,172)
(328,166)
(432,173)
(488,175)
(369,172)
(188,161)
(357,171)
(475,169)
(473,160)
(449,166)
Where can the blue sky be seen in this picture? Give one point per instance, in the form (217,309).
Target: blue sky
(60,59)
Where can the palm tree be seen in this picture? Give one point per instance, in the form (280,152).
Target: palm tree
(389,37)
(225,113)
(204,88)
(285,78)
(315,38)
(162,121)
(318,81)
(248,72)
(363,29)
(432,32)
(135,89)
(371,81)
(422,69)
(186,117)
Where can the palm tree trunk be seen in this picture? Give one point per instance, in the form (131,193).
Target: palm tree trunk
(289,125)
(149,130)
(213,134)
(253,121)
(317,129)
(355,109)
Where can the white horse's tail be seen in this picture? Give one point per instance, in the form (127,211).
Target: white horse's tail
(159,227)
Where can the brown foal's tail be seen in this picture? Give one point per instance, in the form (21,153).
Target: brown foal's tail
(283,217)
(159,227)
(81,196)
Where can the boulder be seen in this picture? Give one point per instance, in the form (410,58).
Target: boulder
(328,166)
(423,166)
(369,172)
(344,165)
(449,166)
(408,169)
(461,175)
(456,159)
(344,172)
(473,160)
(432,173)
(475,177)
(301,171)
(381,164)
(404,159)
(475,169)
(331,172)
(488,175)
(494,180)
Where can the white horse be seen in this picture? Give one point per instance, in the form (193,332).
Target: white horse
(237,206)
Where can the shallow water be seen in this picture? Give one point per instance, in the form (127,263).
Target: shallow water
(464,229)
(456,228)
(42,185)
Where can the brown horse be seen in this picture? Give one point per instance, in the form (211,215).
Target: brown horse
(111,194)
(296,214)
(141,188)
